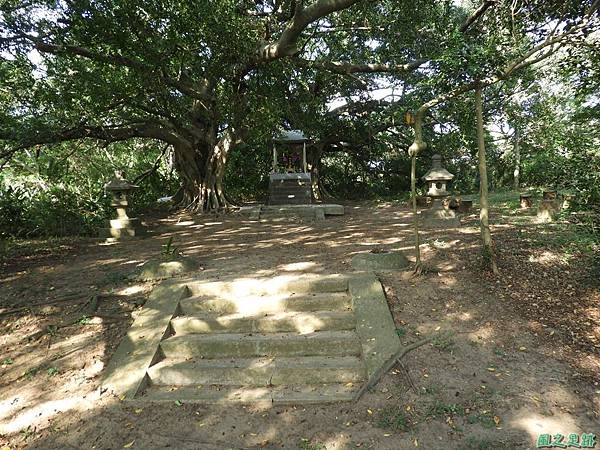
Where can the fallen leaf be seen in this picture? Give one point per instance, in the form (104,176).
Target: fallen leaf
(491,369)
(369,411)
(129,445)
(497,420)
(139,410)
(522,348)
(178,402)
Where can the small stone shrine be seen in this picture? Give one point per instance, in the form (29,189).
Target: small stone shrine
(123,227)
(438,215)
(290,181)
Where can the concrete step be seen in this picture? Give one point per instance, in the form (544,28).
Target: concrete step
(281,395)
(322,343)
(302,322)
(259,371)
(265,304)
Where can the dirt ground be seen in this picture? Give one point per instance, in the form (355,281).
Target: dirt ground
(523,359)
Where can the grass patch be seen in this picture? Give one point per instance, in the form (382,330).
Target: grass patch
(392,418)
(484,420)
(473,443)
(566,237)
(443,343)
(440,409)
(31,372)
(401,332)
(305,444)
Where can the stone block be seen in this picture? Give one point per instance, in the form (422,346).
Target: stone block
(126,371)
(159,269)
(380,261)
(374,324)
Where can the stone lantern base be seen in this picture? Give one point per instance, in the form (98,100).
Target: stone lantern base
(125,228)
(438,216)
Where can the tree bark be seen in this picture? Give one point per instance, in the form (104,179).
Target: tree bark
(486,236)
(517,151)
(202,169)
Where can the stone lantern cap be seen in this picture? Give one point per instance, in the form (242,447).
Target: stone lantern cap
(119,184)
(437,172)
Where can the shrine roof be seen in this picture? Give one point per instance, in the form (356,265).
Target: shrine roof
(291,137)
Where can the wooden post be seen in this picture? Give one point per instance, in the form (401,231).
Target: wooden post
(517,152)
(304,156)
(413,191)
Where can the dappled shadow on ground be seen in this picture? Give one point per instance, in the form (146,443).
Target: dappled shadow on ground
(521,360)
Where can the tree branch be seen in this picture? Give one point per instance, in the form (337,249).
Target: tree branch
(183,86)
(345,68)
(141,177)
(476,15)
(303,17)
(533,56)
(107,134)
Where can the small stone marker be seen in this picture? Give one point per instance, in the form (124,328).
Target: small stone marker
(548,210)
(123,227)
(525,201)
(568,200)
(380,261)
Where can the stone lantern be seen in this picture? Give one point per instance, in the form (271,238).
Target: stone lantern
(123,227)
(438,215)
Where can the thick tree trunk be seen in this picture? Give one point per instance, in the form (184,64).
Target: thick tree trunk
(486,236)
(517,151)
(319,193)
(202,170)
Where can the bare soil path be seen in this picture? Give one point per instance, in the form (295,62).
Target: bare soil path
(523,359)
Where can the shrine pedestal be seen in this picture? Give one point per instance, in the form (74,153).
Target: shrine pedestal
(290,189)
(438,216)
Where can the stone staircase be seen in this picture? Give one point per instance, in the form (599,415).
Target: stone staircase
(298,340)
(273,348)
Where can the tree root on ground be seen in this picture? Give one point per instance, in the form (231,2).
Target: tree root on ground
(395,359)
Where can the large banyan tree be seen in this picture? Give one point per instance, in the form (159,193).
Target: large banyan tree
(188,73)
(201,75)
